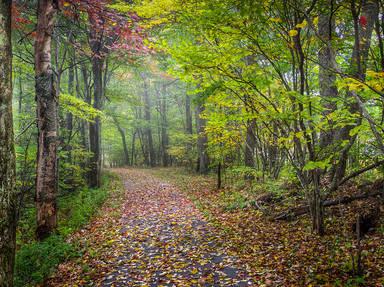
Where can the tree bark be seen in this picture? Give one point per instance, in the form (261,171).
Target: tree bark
(8,197)
(358,68)
(47,122)
(202,141)
(188,115)
(250,144)
(147,116)
(97,60)
(71,79)
(327,69)
(164,128)
(123,140)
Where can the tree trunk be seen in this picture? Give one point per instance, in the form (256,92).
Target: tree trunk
(202,141)
(358,68)
(188,115)
(97,60)
(164,128)
(133,148)
(47,122)
(8,198)
(147,116)
(95,126)
(123,140)
(327,69)
(69,116)
(250,144)
(84,130)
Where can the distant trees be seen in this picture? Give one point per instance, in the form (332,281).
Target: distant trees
(147,116)
(8,195)
(304,76)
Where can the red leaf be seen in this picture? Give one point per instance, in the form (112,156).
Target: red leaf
(363,21)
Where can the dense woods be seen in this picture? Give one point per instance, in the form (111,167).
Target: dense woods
(267,115)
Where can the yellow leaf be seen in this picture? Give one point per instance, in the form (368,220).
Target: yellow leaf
(276,20)
(293,33)
(302,25)
(316,21)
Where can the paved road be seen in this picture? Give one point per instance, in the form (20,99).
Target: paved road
(166,241)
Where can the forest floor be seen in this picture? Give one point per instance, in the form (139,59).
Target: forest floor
(161,239)
(174,228)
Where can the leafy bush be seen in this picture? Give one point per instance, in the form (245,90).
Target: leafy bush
(75,211)
(37,260)
(234,200)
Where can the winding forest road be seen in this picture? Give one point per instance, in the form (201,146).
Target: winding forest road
(161,239)
(167,241)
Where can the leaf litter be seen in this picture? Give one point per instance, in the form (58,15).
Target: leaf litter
(160,239)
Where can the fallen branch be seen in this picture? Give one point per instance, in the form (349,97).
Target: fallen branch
(357,173)
(297,211)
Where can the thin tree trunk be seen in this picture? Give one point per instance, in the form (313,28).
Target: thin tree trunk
(69,116)
(327,69)
(250,144)
(123,140)
(358,68)
(202,141)
(147,116)
(47,122)
(164,128)
(8,198)
(95,126)
(87,98)
(133,148)
(188,115)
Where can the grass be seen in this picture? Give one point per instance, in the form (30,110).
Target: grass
(35,261)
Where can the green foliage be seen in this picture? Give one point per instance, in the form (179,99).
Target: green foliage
(37,260)
(241,172)
(76,209)
(78,107)
(72,168)
(234,200)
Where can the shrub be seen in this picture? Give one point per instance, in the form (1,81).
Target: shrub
(37,260)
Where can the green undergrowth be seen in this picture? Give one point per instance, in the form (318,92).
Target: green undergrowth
(237,193)
(35,261)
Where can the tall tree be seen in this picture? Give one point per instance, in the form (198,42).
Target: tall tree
(202,140)
(327,67)
(363,28)
(47,121)
(164,127)
(188,115)
(98,59)
(147,116)
(123,139)
(250,144)
(8,199)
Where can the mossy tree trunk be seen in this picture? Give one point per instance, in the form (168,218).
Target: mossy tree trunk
(8,199)
(47,121)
